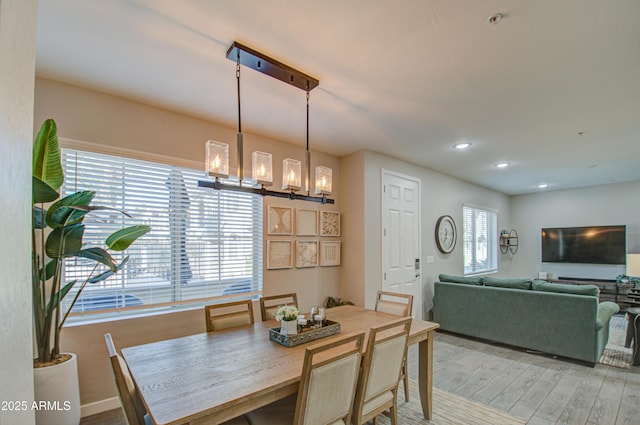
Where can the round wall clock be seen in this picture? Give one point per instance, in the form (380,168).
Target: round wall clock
(446,234)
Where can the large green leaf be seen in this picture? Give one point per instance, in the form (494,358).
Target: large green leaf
(42,192)
(59,296)
(108,273)
(46,155)
(96,254)
(39,218)
(120,240)
(49,269)
(64,240)
(70,209)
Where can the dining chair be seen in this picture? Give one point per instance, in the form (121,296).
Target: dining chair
(228,315)
(134,410)
(399,305)
(378,382)
(327,387)
(269,305)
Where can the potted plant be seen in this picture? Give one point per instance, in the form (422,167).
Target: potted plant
(288,316)
(57,235)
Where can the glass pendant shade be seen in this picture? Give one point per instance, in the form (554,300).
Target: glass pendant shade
(217,159)
(323,180)
(291,174)
(262,168)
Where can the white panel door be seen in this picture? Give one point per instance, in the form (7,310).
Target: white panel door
(401,243)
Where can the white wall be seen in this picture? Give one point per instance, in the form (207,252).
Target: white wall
(440,195)
(610,204)
(17,70)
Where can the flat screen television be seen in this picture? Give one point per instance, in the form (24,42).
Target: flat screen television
(592,245)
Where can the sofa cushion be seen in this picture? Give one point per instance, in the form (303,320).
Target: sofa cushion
(505,282)
(469,280)
(565,288)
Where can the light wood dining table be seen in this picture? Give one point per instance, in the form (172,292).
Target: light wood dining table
(211,377)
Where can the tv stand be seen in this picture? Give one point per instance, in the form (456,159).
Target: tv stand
(610,290)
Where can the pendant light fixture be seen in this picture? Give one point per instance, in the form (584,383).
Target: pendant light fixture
(217,153)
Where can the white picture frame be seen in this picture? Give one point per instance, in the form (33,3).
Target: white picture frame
(330,253)
(306,222)
(279,221)
(329,223)
(279,254)
(306,254)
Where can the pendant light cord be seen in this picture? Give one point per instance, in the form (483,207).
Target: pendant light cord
(238,80)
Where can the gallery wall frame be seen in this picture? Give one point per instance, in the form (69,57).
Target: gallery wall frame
(329,223)
(279,254)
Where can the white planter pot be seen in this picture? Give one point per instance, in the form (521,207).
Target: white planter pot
(57,393)
(289,328)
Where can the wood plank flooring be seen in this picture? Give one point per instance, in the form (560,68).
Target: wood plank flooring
(539,388)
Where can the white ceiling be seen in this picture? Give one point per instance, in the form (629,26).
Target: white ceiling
(405,78)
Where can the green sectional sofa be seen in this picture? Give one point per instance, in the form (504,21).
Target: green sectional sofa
(559,319)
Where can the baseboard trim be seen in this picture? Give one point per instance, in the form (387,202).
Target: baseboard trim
(99,406)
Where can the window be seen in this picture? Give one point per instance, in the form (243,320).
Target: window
(480,240)
(204,243)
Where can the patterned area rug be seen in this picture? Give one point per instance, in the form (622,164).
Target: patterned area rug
(448,409)
(615,354)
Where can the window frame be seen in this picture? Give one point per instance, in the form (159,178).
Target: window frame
(475,267)
(77,318)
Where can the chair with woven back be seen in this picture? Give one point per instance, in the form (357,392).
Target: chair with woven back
(228,315)
(269,305)
(377,390)
(327,387)
(134,410)
(399,305)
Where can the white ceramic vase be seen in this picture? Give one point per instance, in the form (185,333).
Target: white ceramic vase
(289,327)
(57,393)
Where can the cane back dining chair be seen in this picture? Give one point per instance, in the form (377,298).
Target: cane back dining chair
(327,387)
(378,382)
(400,305)
(228,315)
(269,305)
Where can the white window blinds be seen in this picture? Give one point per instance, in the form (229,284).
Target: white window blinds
(480,240)
(203,243)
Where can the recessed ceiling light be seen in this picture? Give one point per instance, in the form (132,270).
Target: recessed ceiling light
(462,145)
(502,164)
(543,185)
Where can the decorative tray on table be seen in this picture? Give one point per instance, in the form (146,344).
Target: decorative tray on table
(305,334)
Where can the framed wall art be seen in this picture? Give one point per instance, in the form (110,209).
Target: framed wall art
(329,253)
(306,222)
(329,223)
(279,221)
(306,254)
(279,255)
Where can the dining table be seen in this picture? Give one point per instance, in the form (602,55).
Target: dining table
(211,377)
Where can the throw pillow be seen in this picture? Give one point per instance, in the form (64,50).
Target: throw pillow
(565,288)
(468,280)
(504,282)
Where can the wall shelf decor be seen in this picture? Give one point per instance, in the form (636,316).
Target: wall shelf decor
(279,254)
(508,241)
(279,221)
(329,223)
(329,253)
(306,222)
(306,254)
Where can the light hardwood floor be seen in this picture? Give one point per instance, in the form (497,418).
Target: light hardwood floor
(537,387)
